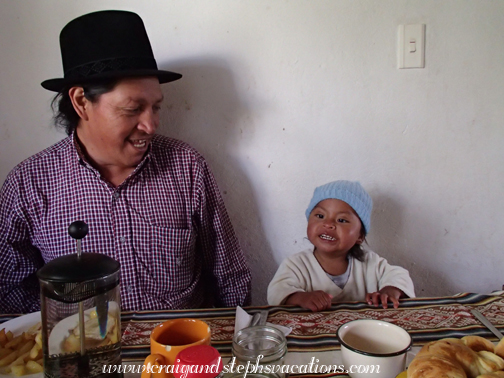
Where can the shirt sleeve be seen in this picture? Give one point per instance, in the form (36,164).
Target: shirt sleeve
(19,259)
(392,275)
(224,261)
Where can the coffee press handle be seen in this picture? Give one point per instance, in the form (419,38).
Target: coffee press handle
(78,230)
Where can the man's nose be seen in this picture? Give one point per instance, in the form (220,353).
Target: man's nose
(148,122)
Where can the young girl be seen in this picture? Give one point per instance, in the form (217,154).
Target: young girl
(338,269)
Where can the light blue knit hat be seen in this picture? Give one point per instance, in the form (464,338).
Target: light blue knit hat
(350,192)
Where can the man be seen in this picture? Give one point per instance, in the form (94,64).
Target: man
(150,201)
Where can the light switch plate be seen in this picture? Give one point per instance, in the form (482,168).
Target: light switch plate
(411,46)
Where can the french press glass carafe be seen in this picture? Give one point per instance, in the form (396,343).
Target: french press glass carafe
(81,317)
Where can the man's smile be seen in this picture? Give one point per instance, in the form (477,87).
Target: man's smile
(139,143)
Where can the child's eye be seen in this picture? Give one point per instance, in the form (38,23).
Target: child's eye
(341,220)
(320,216)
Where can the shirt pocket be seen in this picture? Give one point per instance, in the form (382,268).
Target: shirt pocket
(169,262)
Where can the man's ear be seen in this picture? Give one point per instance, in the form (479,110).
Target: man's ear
(79,102)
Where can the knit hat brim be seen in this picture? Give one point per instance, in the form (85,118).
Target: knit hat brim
(350,192)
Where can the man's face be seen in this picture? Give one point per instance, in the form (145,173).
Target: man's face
(122,122)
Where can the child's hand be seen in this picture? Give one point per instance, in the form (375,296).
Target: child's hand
(388,293)
(316,300)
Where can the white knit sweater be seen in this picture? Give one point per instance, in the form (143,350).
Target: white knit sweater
(302,272)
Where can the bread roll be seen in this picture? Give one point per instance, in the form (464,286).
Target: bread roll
(489,362)
(496,374)
(431,366)
(469,357)
(478,343)
(499,349)
(455,351)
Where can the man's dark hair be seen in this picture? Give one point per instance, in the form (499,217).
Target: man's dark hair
(65,116)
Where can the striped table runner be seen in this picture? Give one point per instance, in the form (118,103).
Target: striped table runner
(425,319)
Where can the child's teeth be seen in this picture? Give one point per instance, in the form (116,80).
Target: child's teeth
(326,237)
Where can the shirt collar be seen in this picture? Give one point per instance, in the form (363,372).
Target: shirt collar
(83,160)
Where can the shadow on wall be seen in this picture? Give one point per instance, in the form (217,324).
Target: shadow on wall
(388,241)
(205,110)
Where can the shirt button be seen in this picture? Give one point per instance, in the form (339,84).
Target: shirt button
(127,289)
(116,195)
(122,239)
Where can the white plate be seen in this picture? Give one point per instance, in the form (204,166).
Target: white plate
(18,326)
(62,330)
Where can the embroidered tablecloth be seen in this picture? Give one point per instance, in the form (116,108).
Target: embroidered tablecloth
(425,319)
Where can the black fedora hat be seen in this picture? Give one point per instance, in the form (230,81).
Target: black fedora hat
(106,45)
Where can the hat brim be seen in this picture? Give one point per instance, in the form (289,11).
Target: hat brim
(56,85)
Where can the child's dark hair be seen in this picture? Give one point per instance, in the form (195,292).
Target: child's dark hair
(357,252)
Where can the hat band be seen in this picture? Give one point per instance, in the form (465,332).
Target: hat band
(110,65)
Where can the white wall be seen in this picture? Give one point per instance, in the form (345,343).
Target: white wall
(282,96)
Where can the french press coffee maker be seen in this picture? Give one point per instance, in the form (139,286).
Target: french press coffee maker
(81,317)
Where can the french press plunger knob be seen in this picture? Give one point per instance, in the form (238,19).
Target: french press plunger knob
(78,230)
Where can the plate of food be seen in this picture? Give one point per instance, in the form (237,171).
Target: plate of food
(65,336)
(21,347)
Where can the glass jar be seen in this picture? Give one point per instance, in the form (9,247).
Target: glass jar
(260,350)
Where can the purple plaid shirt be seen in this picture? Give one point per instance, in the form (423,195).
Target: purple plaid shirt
(166,225)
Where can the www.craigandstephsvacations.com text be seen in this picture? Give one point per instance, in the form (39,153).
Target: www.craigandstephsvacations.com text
(253,368)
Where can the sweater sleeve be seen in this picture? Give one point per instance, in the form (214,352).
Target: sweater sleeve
(290,278)
(392,275)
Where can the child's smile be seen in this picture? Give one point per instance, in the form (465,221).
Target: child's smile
(327,237)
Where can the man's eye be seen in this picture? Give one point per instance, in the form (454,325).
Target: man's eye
(156,108)
(133,110)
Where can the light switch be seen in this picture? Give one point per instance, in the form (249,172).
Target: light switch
(411,46)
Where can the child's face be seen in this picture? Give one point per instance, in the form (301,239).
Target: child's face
(334,227)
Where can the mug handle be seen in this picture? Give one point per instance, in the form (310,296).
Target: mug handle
(155,360)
